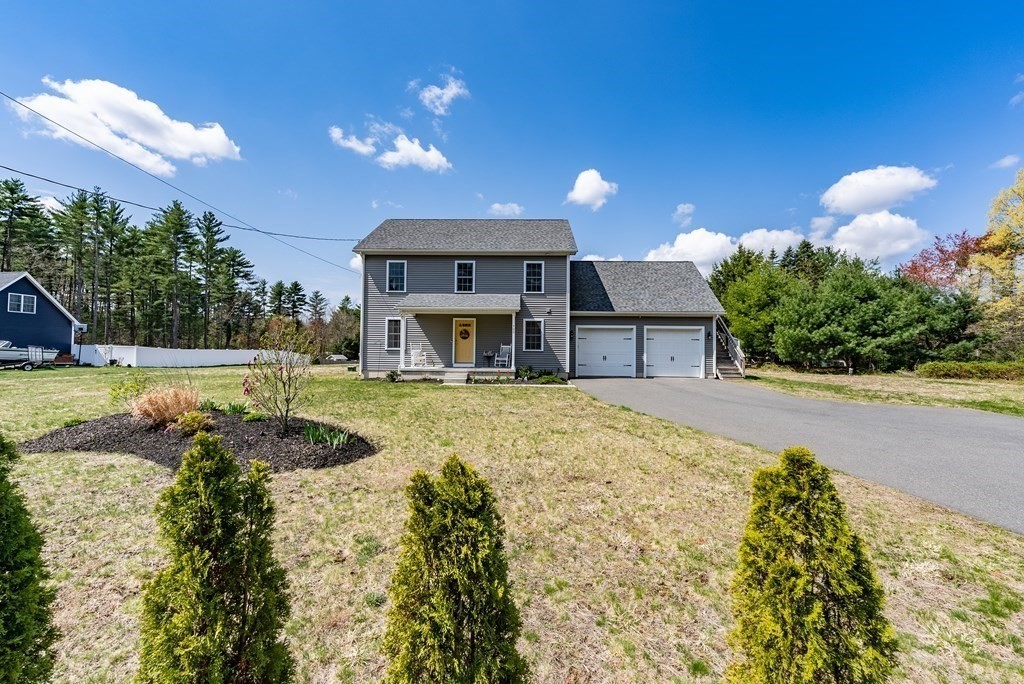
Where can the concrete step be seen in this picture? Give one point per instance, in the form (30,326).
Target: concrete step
(455,378)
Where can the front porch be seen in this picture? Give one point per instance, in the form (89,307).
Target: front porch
(446,336)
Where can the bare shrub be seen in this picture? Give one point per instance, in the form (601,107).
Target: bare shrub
(279,374)
(163,405)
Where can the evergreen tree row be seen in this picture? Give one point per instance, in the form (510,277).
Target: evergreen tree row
(173,282)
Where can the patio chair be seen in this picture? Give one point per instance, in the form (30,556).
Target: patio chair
(504,357)
(418,358)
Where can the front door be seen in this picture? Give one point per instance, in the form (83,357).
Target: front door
(465,341)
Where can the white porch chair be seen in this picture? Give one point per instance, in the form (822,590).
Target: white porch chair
(504,357)
(417,359)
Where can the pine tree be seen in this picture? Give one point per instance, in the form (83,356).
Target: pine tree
(807,603)
(27,633)
(214,614)
(209,256)
(452,618)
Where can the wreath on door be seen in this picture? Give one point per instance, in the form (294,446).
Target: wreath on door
(463,334)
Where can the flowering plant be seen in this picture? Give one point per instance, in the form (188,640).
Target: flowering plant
(278,375)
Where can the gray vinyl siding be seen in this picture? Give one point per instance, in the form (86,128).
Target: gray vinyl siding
(641,322)
(429,274)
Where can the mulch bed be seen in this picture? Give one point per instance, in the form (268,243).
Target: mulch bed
(121,433)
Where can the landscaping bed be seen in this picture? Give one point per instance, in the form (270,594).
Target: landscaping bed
(249,440)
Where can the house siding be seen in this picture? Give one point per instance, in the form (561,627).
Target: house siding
(431,274)
(47,327)
(641,323)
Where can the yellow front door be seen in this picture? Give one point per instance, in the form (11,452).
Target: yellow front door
(465,341)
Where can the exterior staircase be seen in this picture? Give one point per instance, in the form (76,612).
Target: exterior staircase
(731,360)
(455,377)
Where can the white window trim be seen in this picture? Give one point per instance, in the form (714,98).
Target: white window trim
(401,328)
(21,303)
(533,320)
(456,283)
(387,275)
(542,269)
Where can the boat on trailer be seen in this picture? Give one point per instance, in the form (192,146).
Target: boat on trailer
(25,358)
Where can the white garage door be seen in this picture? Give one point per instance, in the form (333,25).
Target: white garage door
(606,351)
(675,352)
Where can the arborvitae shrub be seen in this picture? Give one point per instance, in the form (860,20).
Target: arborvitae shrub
(452,618)
(214,614)
(26,629)
(808,606)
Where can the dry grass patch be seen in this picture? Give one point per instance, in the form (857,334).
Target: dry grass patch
(985,395)
(621,531)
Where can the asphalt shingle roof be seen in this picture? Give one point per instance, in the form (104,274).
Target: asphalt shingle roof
(640,287)
(8,277)
(521,236)
(461,301)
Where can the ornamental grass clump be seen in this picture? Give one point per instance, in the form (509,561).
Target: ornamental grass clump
(160,406)
(808,606)
(27,633)
(452,617)
(279,373)
(216,611)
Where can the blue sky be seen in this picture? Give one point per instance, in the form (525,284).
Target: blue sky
(766,124)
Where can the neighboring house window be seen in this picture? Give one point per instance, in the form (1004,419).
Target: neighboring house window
(21,303)
(533,336)
(465,276)
(533,276)
(396,276)
(394,334)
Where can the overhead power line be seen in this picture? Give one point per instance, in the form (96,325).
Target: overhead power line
(245,225)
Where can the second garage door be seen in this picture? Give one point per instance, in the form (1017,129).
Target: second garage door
(606,351)
(674,352)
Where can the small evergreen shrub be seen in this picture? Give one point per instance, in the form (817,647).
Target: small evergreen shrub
(973,370)
(392,376)
(253,418)
(192,422)
(808,606)
(549,380)
(452,617)
(208,405)
(215,613)
(524,372)
(126,391)
(161,405)
(27,633)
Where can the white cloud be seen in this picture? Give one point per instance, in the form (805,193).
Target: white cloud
(438,100)
(875,189)
(598,257)
(507,209)
(364,147)
(121,121)
(1017,99)
(50,204)
(410,153)
(820,227)
(356,263)
(381,130)
(765,240)
(406,112)
(880,234)
(374,204)
(591,190)
(683,215)
(701,246)
(1006,162)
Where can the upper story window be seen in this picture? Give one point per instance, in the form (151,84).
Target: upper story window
(533,276)
(21,303)
(465,276)
(396,276)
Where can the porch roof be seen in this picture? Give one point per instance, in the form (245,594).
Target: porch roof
(460,303)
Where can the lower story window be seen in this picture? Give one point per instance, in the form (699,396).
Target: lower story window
(394,334)
(533,335)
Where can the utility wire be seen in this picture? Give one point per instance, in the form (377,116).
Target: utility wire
(245,224)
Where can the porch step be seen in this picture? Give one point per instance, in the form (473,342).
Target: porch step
(455,377)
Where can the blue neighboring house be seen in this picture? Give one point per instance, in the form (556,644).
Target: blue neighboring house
(29,315)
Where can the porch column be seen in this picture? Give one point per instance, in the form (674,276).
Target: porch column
(513,340)
(401,344)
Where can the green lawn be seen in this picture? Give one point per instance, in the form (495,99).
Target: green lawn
(622,531)
(997,396)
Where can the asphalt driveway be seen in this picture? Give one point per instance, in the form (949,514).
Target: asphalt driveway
(971,461)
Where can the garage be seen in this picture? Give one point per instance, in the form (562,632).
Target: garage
(673,352)
(606,351)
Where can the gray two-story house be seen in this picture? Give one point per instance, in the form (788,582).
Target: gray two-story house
(450,297)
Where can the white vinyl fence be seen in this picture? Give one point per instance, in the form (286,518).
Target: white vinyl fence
(159,357)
